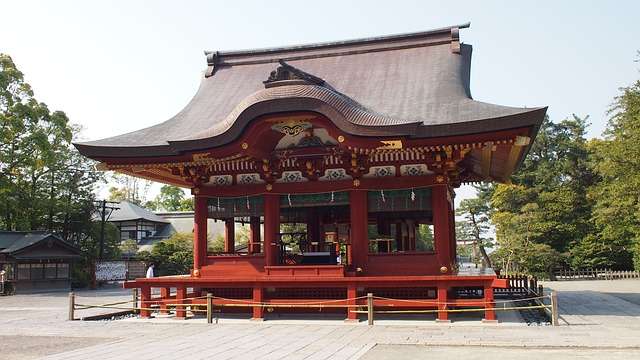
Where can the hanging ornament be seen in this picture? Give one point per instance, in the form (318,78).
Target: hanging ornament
(248,205)
(382,196)
(218,206)
(413,195)
(289,198)
(332,197)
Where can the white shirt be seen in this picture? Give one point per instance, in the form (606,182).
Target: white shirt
(150,272)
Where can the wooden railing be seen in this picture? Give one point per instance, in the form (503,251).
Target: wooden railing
(519,285)
(596,274)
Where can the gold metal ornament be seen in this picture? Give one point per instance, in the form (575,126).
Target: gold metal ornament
(444,269)
(244,146)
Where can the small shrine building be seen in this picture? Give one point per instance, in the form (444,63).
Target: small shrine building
(342,158)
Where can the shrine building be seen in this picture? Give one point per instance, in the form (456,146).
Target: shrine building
(342,159)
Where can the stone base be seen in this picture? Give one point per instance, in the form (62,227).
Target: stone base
(486,321)
(257,319)
(438,321)
(179,318)
(351,321)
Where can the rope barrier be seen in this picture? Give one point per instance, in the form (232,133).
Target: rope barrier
(194,308)
(436,302)
(451,310)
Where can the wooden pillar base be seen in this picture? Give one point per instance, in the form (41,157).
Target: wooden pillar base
(352,293)
(443,315)
(181,311)
(489,304)
(164,296)
(258,311)
(145,297)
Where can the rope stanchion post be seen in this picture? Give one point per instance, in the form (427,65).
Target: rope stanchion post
(209,308)
(370,308)
(134,300)
(554,308)
(72,305)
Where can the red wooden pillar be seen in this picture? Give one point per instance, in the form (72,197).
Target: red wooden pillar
(489,304)
(258,311)
(443,315)
(442,226)
(411,235)
(165,292)
(352,293)
(313,229)
(229,236)
(359,228)
(145,297)
(254,235)
(201,215)
(399,240)
(271,228)
(181,294)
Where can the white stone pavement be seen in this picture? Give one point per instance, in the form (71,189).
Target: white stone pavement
(598,317)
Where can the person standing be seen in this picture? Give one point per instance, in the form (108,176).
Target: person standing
(3,278)
(150,270)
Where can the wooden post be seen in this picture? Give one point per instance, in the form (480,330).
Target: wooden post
(181,311)
(258,310)
(134,300)
(72,305)
(540,290)
(209,308)
(254,235)
(489,304)
(145,297)
(359,228)
(554,308)
(442,219)
(370,308)
(352,293)
(271,228)
(201,214)
(165,292)
(443,315)
(229,235)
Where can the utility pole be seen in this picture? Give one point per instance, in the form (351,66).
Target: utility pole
(104,206)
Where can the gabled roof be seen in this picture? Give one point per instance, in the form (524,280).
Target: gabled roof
(128,211)
(12,242)
(414,85)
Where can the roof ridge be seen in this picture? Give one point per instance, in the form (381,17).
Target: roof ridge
(449,34)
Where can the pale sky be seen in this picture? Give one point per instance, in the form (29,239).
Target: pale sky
(118,66)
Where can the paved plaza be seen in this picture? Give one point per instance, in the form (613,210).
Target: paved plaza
(598,319)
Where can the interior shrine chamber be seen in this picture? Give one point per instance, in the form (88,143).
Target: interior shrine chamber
(340,160)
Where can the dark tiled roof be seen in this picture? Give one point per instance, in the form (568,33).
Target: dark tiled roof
(14,241)
(413,84)
(128,211)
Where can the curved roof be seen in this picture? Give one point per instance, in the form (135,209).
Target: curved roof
(127,211)
(412,84)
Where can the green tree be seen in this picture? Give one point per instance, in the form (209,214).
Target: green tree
(476,225)
(616,213)
(546,208)
(170,198)
(129,188)
(44,183)
(173,256)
